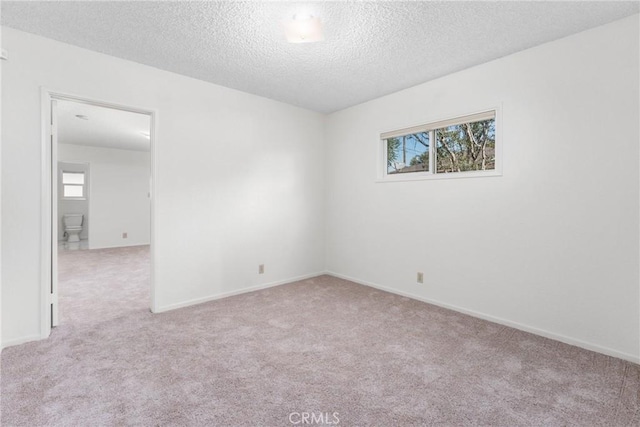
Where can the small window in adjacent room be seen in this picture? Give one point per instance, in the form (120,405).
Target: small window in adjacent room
(463,146)
(73,185)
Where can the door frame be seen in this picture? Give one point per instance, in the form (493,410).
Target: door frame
(49,244)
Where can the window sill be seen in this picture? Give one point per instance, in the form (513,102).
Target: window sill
(430,176)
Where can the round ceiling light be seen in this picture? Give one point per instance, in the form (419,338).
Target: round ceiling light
(303,29)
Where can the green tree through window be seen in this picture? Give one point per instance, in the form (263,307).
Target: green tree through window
(466,147)
(450,146)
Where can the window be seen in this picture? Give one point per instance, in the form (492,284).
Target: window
(464,146)
(408,153)
(73,185)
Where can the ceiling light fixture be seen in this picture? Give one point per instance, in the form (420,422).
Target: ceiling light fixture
(82,117)
(303,29)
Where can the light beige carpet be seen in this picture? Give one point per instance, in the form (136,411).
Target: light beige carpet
(318,346)
(96,286)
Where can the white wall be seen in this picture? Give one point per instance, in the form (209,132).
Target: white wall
(240,178)
(118,194)
(550,246)
(69,206)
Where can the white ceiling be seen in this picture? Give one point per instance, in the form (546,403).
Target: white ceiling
(104,127)
(370,48)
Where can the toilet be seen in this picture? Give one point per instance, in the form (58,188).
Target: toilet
(72,226)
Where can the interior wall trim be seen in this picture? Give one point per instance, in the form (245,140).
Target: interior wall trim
(214,297)
(21,340)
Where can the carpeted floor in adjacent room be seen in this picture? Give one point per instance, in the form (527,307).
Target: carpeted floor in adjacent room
(321,345)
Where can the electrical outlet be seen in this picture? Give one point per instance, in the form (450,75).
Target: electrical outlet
(124,235)
(420,277)
(261,269)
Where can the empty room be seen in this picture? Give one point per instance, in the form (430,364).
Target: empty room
(364,213)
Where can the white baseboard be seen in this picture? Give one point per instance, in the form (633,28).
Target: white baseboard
(547,334)
(501,321)
(21,340)
(196,301)
(120,246)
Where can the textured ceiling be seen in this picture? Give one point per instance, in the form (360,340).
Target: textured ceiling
(370,48)
(104,127)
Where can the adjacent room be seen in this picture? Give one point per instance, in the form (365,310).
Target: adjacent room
(320,213)
(101,260)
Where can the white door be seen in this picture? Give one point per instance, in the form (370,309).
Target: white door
(54,214)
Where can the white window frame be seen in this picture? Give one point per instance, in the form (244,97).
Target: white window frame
(384,176)
(83,185)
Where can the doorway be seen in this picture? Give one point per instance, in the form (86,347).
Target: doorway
(98,210)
